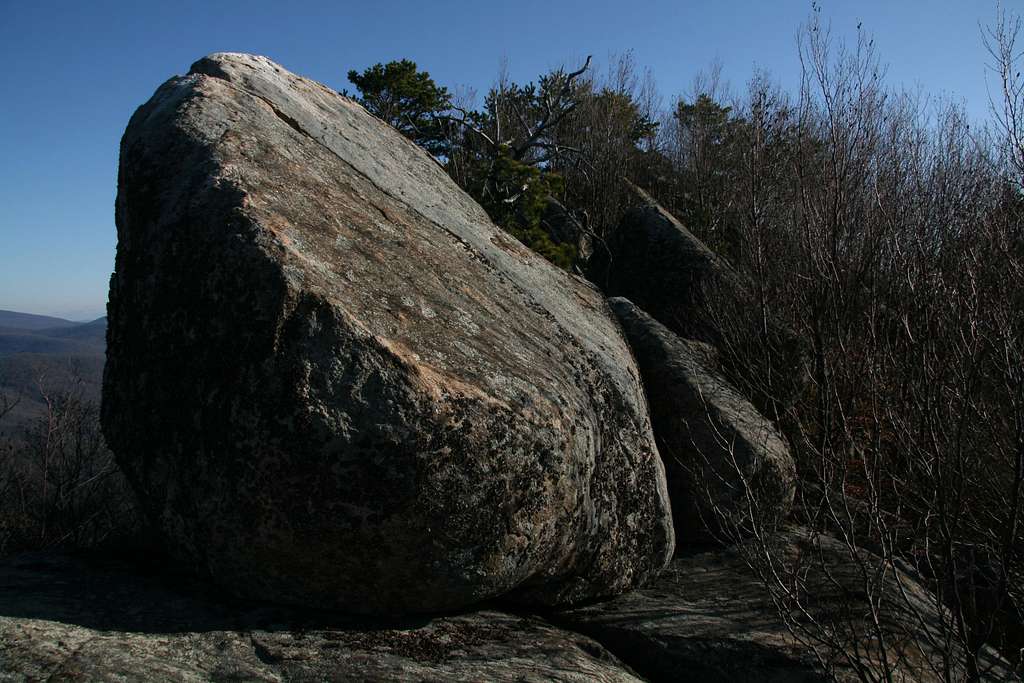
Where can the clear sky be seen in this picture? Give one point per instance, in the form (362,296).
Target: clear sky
(73,72)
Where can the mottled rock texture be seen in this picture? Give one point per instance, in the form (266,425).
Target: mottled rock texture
(726,464)
(710,619)
(334,382)
(79,618)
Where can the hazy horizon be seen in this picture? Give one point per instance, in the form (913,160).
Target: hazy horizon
(75,316)
(77,73)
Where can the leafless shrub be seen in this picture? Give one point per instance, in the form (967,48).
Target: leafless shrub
(59,482)
(614,132)
(886,233)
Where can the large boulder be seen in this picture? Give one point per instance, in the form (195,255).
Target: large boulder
(333,381)
(807,615)
(104,618)
(727,465)
(653,260)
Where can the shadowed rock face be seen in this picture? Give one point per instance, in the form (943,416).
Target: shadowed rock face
(64,617)
(333,381)
(725,462)
(655,262)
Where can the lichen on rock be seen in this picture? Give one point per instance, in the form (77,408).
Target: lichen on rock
(334,382)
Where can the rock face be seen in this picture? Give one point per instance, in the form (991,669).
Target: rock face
(725,462)
(710,619)
(64,617)
(655,262)
(334,382)
(563,228)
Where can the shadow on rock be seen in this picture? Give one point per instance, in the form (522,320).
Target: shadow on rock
(138,589)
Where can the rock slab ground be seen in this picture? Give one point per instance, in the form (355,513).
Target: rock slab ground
(91,618)
(711,619)
(334,382)
(114,615)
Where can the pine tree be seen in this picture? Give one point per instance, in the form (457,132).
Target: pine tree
(406,98)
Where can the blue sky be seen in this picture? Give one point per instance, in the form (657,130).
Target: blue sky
(74,72)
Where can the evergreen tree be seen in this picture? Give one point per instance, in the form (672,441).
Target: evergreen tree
(406,98)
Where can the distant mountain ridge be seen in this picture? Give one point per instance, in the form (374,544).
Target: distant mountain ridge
(39,351)
(28,333)
(30,321)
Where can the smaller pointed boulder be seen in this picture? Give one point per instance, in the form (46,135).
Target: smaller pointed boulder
(726,464)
